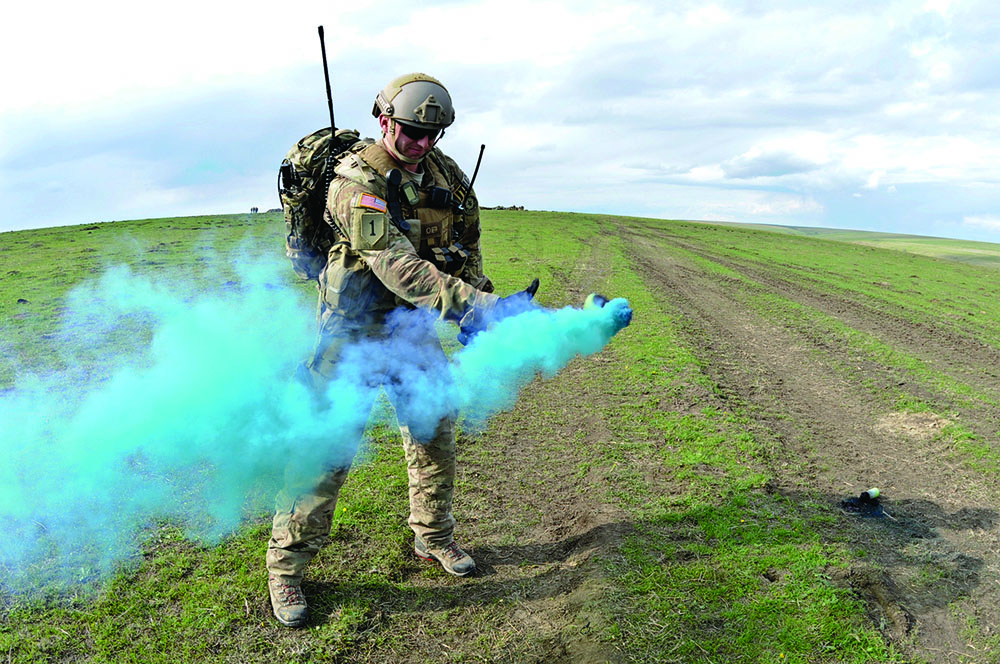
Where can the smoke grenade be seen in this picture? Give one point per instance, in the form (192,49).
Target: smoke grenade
(200,425)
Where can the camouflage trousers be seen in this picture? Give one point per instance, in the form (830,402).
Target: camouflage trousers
(302,519)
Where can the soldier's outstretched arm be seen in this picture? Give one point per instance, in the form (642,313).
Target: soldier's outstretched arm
(363,217)
(419,281)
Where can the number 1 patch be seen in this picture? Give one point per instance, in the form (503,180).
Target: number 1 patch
(369,231)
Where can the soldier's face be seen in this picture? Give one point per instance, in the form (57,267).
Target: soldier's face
(408,146)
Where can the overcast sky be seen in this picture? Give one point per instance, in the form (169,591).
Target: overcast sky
(867,115)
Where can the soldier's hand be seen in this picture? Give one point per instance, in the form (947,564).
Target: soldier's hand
(515,303)
(511,305)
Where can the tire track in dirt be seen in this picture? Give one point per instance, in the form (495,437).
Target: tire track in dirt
(936,563)
(962,358)
(950,351)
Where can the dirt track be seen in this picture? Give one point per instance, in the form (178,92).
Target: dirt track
(935,566)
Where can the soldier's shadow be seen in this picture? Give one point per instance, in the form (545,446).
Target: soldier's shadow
(516,573)
(530,572)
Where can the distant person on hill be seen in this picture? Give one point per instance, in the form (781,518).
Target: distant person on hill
(411,242)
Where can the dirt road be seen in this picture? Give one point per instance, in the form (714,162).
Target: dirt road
(932,581)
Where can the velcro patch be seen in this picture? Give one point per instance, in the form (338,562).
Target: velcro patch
(372,202)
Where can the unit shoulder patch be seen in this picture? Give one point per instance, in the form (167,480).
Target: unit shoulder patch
(370,230)
(462,190)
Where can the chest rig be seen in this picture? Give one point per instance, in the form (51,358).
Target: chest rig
(427,209)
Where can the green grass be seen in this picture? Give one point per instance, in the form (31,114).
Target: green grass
(694,580)
(721,520)
(842,270)
(964,251)
(714,567)
(863,345)
(41,266)
(943,293)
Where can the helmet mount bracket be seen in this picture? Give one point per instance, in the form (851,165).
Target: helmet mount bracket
(430,111)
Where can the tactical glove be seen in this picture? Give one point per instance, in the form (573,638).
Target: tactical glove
(620,312)
(519,302)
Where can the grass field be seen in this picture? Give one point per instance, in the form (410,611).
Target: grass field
(675,498)
(966,251)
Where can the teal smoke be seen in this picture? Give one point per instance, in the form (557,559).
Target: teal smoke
(208,422)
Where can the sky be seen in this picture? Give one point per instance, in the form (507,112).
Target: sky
(865,115)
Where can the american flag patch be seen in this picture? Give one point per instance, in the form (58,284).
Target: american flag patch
(372,202)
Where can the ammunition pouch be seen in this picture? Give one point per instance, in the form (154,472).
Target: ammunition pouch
(450,259)
(348,287)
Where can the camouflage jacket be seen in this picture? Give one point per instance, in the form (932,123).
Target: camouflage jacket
(375,266)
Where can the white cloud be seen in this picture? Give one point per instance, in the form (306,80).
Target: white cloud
(707,15)
(110,51)
(907,108)
(942,7)
(544,34)
(758,206)
(873,179)
(757,163)
(988,222)
(580,103)
(705,173)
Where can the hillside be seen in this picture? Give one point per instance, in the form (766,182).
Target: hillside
(674,498)
(965,251)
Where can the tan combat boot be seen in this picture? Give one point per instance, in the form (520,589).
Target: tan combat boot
(452,558)
(288,602)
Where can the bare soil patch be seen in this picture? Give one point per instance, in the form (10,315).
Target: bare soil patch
(557,526)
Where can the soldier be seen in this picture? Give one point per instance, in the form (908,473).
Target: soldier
(411,243)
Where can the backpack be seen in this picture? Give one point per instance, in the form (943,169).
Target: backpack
(303,180)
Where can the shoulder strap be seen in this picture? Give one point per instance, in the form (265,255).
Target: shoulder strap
(354,167)
(378,158)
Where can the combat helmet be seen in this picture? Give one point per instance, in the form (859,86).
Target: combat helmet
(416,99)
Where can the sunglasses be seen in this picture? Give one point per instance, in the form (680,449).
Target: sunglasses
(416,133)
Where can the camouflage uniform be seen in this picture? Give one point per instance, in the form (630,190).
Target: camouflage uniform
(373,268)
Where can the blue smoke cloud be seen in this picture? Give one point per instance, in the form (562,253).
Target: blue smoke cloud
(204,425)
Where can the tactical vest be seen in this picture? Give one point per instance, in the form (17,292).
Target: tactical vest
(435,232)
